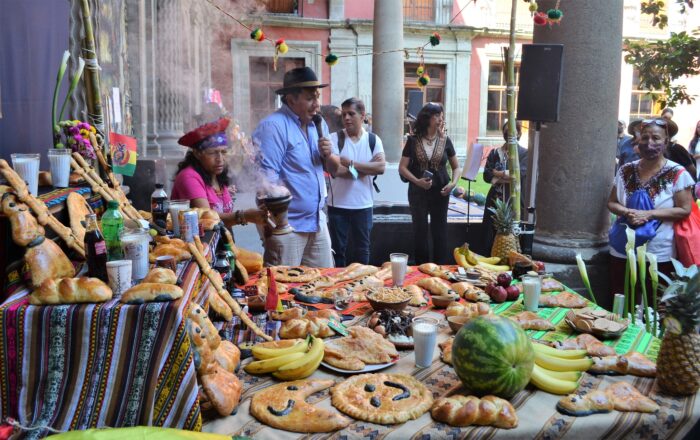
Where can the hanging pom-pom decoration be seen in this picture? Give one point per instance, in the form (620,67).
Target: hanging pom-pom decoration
(540,19)
(420,70)
(533,7)
(281,46)
(332,59)
(423,80)
(554,15)
(435,39)
(257,35)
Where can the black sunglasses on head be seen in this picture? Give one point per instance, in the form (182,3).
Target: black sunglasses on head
(656,121)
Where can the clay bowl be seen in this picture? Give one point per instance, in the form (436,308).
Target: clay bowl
(381,305)
(443,301)
(456,322)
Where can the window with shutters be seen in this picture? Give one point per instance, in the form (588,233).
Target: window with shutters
(418,10)
(644,103)
(496,109)
(433,92)
(281,6)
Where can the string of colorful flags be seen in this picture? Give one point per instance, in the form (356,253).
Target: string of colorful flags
(540,18)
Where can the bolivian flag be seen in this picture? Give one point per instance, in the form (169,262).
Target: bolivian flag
(123,150)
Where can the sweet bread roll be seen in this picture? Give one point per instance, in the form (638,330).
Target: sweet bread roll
(178,253)
(252,261)
(218,305)
(228,356)
(148,292)
(223,389)
(71,291)
(77,211)
(470,410)
(208,224)
(47,261)
(161,275)
(164,239)
(45,178)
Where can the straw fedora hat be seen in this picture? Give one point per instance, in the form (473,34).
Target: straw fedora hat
(299,78)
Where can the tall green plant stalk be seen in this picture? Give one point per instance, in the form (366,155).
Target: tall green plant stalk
(642,261)
(654,274)
(513,159)
(59,79)
(632,264)
(73,85)
(625,313)
(92,78)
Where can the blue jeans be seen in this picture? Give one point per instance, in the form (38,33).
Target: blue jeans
(353,223)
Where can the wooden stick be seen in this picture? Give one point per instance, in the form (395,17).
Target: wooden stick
(43,215)
(96,187)
(215,280)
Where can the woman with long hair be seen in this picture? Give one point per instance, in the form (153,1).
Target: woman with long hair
(202,177)
(424,166)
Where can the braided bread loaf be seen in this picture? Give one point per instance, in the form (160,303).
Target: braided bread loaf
(460,410)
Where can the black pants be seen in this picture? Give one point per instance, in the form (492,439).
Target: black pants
(353,223)
(422,203)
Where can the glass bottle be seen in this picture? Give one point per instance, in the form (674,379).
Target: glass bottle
(159,206)
(112,227)
(96,249)
(222,266)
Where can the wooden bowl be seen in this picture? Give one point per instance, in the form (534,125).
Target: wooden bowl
(381,305)
(456,322)
(443,301)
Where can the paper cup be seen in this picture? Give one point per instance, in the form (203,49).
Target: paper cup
(119,275)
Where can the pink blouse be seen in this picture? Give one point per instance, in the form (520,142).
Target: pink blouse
(189,185)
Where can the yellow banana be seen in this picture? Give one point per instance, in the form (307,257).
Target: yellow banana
(460,259)
(268,353)
(565,354)
(494,267)
(550,384)
(272,364)
(569,376)
(468,254)
(305,366)
(561,364)
(487,260)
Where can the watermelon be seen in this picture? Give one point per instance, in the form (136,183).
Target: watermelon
(493,355)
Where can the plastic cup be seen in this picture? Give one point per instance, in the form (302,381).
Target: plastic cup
(59,161)
(135,246)
(532,286)
(175,206)
(399,264)
(119,276)
(424,340)
(27,166)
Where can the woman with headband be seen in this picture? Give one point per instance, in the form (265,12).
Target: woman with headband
(202,177)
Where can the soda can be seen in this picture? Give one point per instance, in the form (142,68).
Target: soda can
(201,230)
(189,225)
(619,305)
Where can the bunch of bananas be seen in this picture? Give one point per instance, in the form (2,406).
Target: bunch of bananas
(467,259)
(558,371)
(287,361)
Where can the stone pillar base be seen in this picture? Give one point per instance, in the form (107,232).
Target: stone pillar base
(559,257)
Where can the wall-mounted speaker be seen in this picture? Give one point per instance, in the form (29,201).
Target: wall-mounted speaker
(539,91)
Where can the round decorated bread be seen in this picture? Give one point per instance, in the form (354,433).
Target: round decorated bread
(299,274)
(382,398)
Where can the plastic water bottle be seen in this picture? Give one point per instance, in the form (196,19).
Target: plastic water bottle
(112,226)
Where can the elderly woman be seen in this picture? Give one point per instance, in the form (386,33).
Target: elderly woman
(202,177)
(424,166)
(666,184)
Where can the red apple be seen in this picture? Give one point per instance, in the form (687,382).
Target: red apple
(539,266)
(513,293)
(504,279)
(499,294)
(489,288)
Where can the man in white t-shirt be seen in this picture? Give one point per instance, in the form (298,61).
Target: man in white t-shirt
(357,157)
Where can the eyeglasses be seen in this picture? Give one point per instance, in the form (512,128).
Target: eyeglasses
(656,121)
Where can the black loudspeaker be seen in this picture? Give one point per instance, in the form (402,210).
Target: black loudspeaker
(415,102)
(540,82)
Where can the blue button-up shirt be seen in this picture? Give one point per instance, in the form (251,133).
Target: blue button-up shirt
(293,160)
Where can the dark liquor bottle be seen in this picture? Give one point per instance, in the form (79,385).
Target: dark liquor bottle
(96,249)
(159,206)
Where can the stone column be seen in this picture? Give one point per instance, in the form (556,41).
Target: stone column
(577,154)
(387,77)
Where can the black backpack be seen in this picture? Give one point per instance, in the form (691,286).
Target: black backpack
(372,143)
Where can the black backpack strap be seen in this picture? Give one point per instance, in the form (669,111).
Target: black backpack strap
(341,140)
(372,143)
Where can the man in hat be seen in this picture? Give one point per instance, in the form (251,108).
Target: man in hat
(292,155)
(627,151)
(675,151)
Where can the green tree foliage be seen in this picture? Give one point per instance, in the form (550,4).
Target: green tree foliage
(661,62)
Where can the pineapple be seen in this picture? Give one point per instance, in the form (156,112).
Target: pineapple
(505,240)
(678,363)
